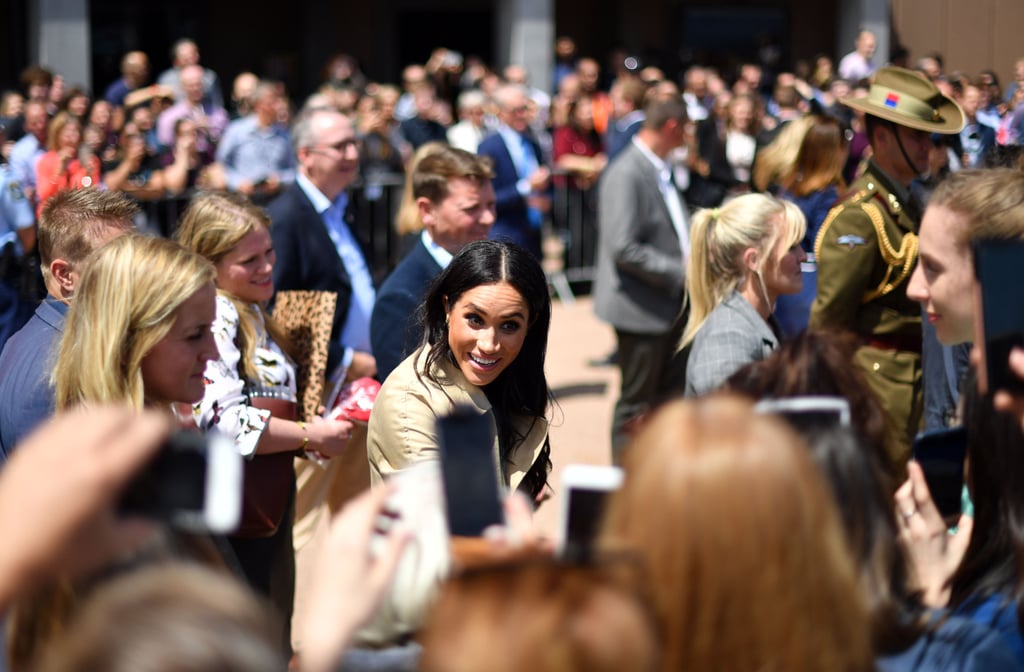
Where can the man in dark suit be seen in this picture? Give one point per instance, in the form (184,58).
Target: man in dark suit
(521,180)
(643,242)
(456,204)
(72,225)
(316,249)
(975,140)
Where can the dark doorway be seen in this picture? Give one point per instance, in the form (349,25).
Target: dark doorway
(469,32)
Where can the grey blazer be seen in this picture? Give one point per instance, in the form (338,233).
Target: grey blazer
(640,273)
(733,336)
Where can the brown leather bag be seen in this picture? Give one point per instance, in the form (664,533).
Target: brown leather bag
(269,480)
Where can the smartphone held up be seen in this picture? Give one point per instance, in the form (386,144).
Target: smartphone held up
(469,473)
(999,312)
(194,483)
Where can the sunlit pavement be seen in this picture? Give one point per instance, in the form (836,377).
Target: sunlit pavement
(585,395)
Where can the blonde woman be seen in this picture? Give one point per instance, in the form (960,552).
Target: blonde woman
(742,257)
(250,392)
(138,331)
(407,222)
(233,234)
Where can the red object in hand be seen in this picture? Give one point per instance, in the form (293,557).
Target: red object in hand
(355,401)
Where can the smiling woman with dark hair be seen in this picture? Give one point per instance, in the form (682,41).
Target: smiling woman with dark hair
(485,323)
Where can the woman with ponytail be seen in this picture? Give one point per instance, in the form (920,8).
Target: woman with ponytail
(742,257)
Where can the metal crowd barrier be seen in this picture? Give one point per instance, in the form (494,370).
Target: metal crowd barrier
(376,200)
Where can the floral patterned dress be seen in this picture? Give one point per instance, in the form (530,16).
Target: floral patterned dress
(225,405)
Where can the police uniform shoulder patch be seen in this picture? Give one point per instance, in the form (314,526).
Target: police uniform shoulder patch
(15,190)
(850,241)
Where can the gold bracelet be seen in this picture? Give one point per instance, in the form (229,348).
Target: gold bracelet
(305,437)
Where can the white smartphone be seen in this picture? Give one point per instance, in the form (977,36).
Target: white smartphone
(193,483)
(585,490)
(809,412)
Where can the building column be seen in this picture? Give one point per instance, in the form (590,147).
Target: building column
(857,15)
(526,36)
(59,39)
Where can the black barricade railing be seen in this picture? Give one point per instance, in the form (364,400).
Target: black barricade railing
(574,220)
(375,203)
(377,198)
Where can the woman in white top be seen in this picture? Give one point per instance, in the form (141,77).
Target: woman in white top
(250,392)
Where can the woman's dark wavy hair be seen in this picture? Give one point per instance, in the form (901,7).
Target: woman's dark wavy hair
(820,362)
(522,388)
(994,560)
(865,505)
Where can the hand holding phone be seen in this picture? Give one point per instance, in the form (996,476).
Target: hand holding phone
(941,455)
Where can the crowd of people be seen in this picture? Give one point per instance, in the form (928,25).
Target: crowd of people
(760,236)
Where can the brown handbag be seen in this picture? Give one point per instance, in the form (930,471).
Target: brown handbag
(269,480)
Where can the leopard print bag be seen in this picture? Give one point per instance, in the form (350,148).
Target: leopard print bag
(306,317)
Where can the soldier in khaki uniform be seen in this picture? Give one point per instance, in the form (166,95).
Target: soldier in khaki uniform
(867,247)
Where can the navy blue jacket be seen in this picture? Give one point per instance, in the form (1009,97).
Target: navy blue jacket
(511,222)
(394,330)
(308,259)
(26,398)
(958,644)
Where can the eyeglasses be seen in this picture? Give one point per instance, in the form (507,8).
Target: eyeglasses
(340,147)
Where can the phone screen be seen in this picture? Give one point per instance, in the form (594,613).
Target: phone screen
(941,456)
(174,481)
(586,509)
(999,324)
(469,474)
(586,488)
(193,483)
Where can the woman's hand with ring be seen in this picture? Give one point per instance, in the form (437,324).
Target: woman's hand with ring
(932,554)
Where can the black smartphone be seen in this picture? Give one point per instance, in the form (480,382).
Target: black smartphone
(941,455)
(999,311)
(585,491)
(194,483)
(469,473)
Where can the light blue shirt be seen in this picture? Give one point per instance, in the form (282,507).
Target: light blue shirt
(24,156)
(442,256)
(355,335)
(249,152)
(15,211)
(524,161)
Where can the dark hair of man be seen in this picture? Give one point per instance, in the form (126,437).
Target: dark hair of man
(72,222)
(430,178)
(522,388)
(659,110)
(994,555)
(36,74)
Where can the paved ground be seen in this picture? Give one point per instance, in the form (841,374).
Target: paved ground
(585,394)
